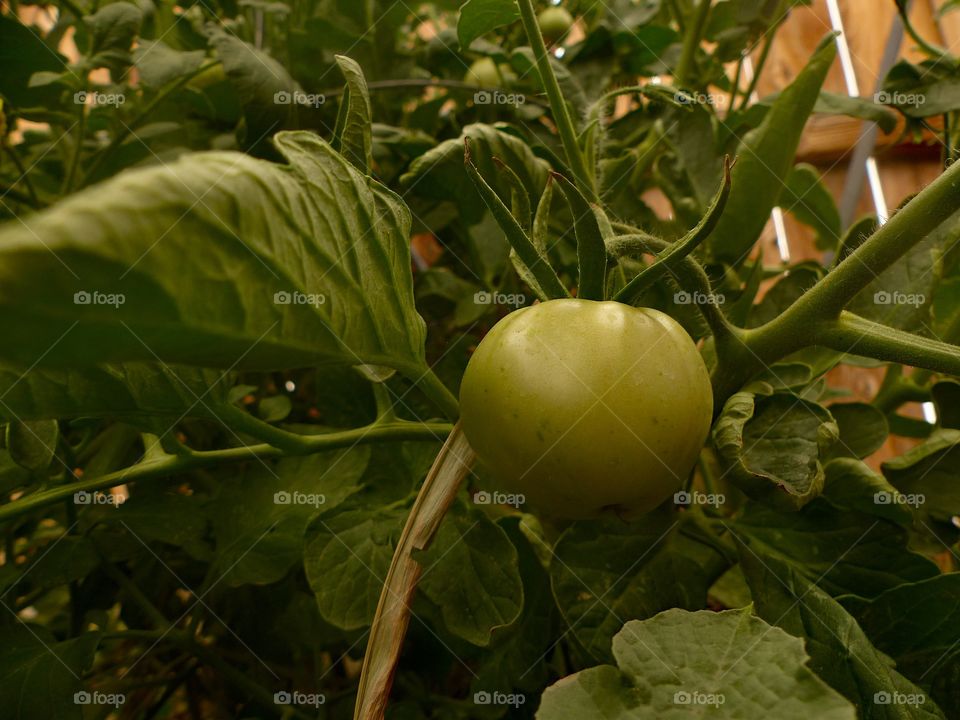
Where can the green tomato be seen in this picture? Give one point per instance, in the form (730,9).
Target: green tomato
(486,73)
(587,408)
(554,23)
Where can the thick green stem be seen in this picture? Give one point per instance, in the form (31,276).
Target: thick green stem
(561,113)
(434,389)
(169,465)
(859,336)
(691,43)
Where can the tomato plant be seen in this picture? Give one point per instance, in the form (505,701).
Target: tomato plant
(369,360)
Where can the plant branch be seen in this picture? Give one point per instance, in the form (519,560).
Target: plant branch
(168,465)
(24,175)
(859,336)
(561,113)
(691,43)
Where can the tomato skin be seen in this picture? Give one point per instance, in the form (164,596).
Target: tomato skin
(554,23)
(486,73)
(587,408)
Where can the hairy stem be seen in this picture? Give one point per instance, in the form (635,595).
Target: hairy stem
(169,465)
(561,113)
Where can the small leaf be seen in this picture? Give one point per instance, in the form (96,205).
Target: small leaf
(809,200)
(33,443)
(355,141)
(478,17)
(471,573)
(775,445)
(850,484)
(863,429)
(274,408)
(112,31)
(592,228)
(927,475)
(683,664)
(159,64)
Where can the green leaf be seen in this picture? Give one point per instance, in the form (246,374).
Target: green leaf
(863,429)
(607,572)
(269,96)
(478,17)
(347,555)
(538,236)
(259,518)
(695,664)
(854,486)
(33,443)
(592,228)
(439,174)
(840,652)
(315,271)
(834,104)
(23,54)
(112,391)
(64,560)
(810,201)
(158,63)
(917,625)
(275,408)
(112,31)
(927,474)
(39,676)
(946,396)
(355,142)
(471,572)
(166,517)
(843,552)
(765,159)
(774,446)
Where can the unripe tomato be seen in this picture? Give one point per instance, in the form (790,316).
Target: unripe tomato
(554,23)
(586,407)
(486,73)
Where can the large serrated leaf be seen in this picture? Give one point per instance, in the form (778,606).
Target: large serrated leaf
(681,664)
(221,260)
(478,17)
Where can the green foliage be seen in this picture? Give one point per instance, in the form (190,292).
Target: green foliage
(243,265)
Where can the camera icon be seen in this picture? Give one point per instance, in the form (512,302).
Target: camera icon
(682,697)
(282,97)
(82,697)
(282,297)
(483,97)
(682,498)
(882,498)
(82,497)
(80,98)
(482,698)
(683,98)
(282,497)
(282,698)
(883,98)
(82,297)
(882,698)
(882,297)
(482,498)
(682,298)
(482,298)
